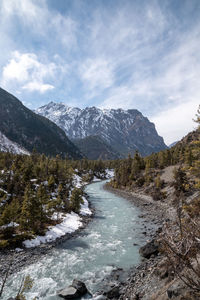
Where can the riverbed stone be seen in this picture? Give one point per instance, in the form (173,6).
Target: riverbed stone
(80,286)
(113,293)
(76,290)
(149,249)
(175,290)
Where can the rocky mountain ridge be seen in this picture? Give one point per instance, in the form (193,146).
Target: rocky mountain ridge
(124,130)
(8,146)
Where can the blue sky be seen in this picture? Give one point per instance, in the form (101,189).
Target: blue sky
(107,53)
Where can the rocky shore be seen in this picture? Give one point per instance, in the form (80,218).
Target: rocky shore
(145,279)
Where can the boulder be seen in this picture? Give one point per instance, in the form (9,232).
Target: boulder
(113,293)
(80,286)
(149,249)
(73,291)
(175,290)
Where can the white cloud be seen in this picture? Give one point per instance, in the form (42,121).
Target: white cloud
(36,17)
(25,69)
(97,74)
(37,86)
(177,121)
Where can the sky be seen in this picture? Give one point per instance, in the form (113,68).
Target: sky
(130,54)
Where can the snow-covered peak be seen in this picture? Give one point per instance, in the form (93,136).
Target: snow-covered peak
(125,130)
(7,145)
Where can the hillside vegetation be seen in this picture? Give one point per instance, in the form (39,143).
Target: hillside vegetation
(35,190)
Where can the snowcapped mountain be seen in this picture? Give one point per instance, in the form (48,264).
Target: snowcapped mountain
(124,130)
(8,146)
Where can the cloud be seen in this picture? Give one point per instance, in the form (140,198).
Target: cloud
(26,71)
(97,74)
(162,83)
(41,22)
(177,121)
(135,54)
(37,86)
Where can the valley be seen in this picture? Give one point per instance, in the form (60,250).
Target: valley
(100,150)
(124,224)
(104,245)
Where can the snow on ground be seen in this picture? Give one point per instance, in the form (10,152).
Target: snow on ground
(77,181)
(11,224)
(96,179)
(85,211)
(70,223)
(109,173)
(7,145)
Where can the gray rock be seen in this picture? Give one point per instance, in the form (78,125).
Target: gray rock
(68,293)
(80,286)
(149,249)
(76,290)
(114,293)
(175,290)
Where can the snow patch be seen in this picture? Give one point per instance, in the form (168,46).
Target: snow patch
(77,181)
(85,211)
(7,145)
(70,223)
(11,224)
(109,173)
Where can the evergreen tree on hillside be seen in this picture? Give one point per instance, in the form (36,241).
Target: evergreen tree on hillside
(26,212)
(197,120)
(76,200)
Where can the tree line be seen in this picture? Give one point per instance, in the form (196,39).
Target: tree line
(34,188)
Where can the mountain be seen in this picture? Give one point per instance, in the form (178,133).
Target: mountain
(8,146)
(31,131)
(124,130)
(94,147)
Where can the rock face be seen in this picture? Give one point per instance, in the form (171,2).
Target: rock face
(94,147)
(22,126)
(124,130)
(149,249)
(76,290)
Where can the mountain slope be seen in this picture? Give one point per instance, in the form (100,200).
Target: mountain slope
(21,125)
(94,147)
(124,130)
(8,146)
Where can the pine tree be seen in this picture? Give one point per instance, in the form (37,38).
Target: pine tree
(51,183)
(26,213)
(76,200)
(197,120)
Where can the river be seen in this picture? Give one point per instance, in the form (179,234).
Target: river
(106,243)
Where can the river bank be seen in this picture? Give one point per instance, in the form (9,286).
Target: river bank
(138,281)
(154,278)
(19,259)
